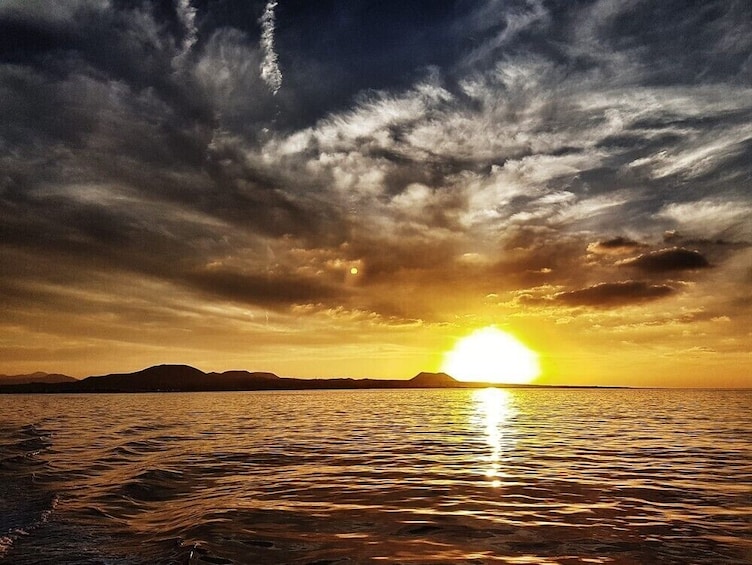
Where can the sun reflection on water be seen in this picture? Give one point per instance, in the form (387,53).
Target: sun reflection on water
(495,412)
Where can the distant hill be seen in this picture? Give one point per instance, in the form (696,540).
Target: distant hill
(38,377)
(184,378)
(160,377)
(176,378)
(431,380)
(244,375)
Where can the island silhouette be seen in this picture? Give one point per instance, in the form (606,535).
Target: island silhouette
(184,378)
(38,377)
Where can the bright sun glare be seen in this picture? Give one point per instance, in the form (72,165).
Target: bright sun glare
(493,356)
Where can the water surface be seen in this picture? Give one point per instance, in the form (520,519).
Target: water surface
(407,476)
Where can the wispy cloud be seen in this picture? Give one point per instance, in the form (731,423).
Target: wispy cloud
(187,17)
(711,217)
(270,72)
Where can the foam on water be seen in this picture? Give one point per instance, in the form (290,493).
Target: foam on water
(420,476)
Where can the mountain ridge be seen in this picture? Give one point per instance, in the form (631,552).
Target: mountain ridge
(37,377)
(185,378)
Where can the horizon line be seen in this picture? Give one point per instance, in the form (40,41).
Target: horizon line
(461,383)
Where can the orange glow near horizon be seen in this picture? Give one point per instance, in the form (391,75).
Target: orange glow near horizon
(493,356)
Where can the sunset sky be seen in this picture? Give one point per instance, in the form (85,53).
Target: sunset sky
(329,188)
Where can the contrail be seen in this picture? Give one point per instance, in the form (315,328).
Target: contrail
(270,72)
(187,16)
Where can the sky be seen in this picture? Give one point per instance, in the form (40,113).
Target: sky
(346,188)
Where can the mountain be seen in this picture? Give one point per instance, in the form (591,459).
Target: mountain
(159,377)
(38,377)
(434,380)
(177,378)
(184,378)
(245,374)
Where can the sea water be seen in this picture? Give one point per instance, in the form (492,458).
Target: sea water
(371,476)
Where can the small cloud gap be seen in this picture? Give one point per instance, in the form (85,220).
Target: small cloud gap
(270,72)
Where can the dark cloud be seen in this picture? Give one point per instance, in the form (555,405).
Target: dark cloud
(674,259)
(615,246)
(610,295)
(260,290)
(672,236)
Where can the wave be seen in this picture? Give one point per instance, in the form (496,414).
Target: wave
(27,506)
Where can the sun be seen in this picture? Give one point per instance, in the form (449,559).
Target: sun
(493,356)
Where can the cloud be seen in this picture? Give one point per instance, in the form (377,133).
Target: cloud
(616,294)
(711,217)
(270,72)
(187,16)
(666,260)
(614,246)
(261,290)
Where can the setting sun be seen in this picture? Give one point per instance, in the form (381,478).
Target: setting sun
(491,355)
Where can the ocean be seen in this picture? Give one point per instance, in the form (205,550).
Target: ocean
(519,476)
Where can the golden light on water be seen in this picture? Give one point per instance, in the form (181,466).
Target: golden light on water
(493,356)
(494,412)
